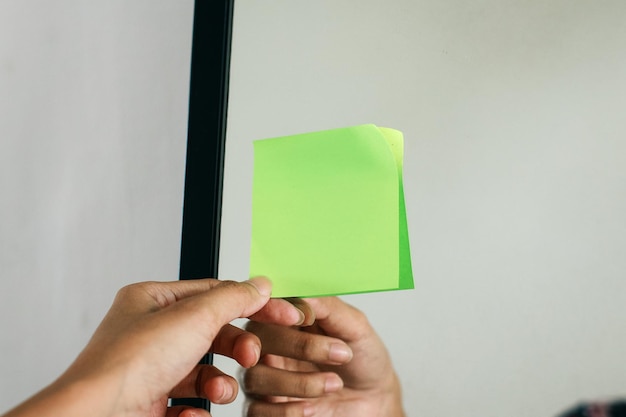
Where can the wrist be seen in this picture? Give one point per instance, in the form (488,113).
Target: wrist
(70,397)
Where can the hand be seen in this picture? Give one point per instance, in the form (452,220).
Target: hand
(337,367)
(148,347)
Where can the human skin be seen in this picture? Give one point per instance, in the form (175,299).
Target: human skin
(337,367)
(149,344)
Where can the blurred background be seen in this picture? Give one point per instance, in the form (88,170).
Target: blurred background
(515,180)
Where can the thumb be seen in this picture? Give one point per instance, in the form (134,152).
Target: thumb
(225,302)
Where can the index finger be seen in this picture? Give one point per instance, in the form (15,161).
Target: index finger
(300,345)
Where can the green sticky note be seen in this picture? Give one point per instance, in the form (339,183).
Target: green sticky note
(328,213)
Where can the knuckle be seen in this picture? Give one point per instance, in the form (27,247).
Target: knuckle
(131,291)
(128,290)
(305,346)
(252,326)
(361,325)
(309,387)
(204,374)
(249,380)
(228,283)
(254,409)
(241,289)
(360,317)
(137,287)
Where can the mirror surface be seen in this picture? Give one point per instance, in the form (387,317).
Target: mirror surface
(514,180)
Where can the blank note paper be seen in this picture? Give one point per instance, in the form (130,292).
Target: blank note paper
(328,213)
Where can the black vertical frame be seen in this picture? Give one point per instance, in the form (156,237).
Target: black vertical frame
(206,138)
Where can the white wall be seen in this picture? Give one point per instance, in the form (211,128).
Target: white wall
(93,120)
(514,176)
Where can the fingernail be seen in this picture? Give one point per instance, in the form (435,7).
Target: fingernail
(339,353)
(332,384)
(257,354)
(305,312)
(262,284)
(302,316)
(227,393)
